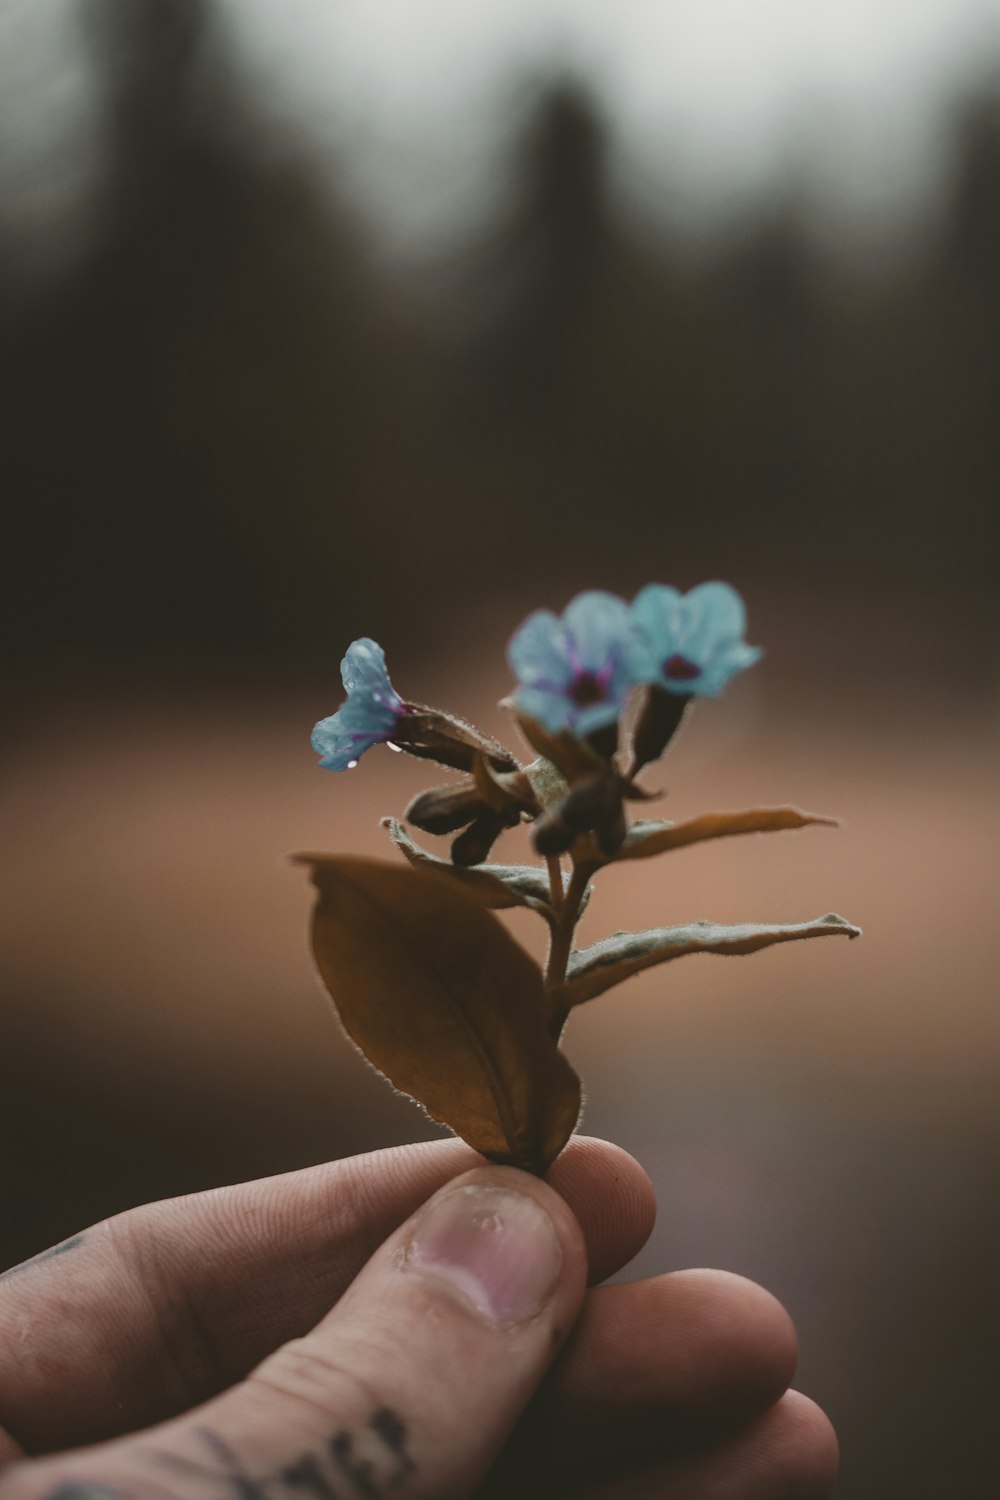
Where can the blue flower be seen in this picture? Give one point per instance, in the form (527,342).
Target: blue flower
(573,673)
(690,643)
(369,717)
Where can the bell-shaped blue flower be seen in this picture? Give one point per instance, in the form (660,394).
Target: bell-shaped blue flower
(369,717)
(690,643)
(574,672)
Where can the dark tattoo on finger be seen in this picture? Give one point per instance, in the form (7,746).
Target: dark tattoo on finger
(227,1470)
(392,1431)
(369,1462)
(306,1477)
(361,1457)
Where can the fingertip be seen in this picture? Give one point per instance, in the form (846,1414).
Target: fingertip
(675,1352)
(792,1450)
(605,1159)
(565,1225)
(818,1440)
(746,1336)
(612,1198)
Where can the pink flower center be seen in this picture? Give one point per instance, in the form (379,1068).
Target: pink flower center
(679,669)
(587,689)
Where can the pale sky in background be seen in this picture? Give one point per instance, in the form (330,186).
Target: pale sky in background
(416,104)
(706,97)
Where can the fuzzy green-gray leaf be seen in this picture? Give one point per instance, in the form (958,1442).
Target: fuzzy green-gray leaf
(644,839)
(496,886)
(595,969)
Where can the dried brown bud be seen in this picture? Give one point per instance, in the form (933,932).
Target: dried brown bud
(552,834)
(442,809)
(658,721)
(604,742)
(594,805)
(433,735)
(473,846)
(609,834)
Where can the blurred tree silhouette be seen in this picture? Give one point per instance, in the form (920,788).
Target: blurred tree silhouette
(232,442)
(772,414)
(202,421)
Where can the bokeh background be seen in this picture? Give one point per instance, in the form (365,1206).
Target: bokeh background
(319,321)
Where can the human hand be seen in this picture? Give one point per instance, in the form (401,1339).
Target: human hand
(193,1342)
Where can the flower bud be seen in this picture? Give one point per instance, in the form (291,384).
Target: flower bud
(432,735)
(474,845)
(659,719)
(592,806)
(443,809)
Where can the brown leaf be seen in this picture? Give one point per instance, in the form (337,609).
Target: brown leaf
(595,969)
(646,839)
(439,997)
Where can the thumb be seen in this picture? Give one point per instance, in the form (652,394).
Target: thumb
(409,1386)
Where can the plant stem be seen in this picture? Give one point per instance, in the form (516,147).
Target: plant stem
(563,928)
(555,881)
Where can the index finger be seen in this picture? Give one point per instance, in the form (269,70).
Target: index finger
(153,1312)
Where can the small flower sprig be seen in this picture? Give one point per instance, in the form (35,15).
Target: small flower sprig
(427,982)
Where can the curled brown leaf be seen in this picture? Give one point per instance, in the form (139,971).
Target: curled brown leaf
(442,1001)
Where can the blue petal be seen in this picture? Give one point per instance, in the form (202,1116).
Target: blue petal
(722,604)
(655,616)
(366,719)
(552,710)
(596,716)
(538,652)
(336,744)
(363,669)
(724,665)
(364,714)
(705,626)
(598,626)
(623,678)
(714,616)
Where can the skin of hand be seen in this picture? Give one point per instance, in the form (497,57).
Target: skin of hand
(410,1323)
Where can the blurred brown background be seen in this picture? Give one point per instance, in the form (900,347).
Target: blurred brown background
(302,340)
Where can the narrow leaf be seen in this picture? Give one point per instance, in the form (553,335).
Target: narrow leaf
(648,838)
(592,970)
(439,997)
(496,886)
